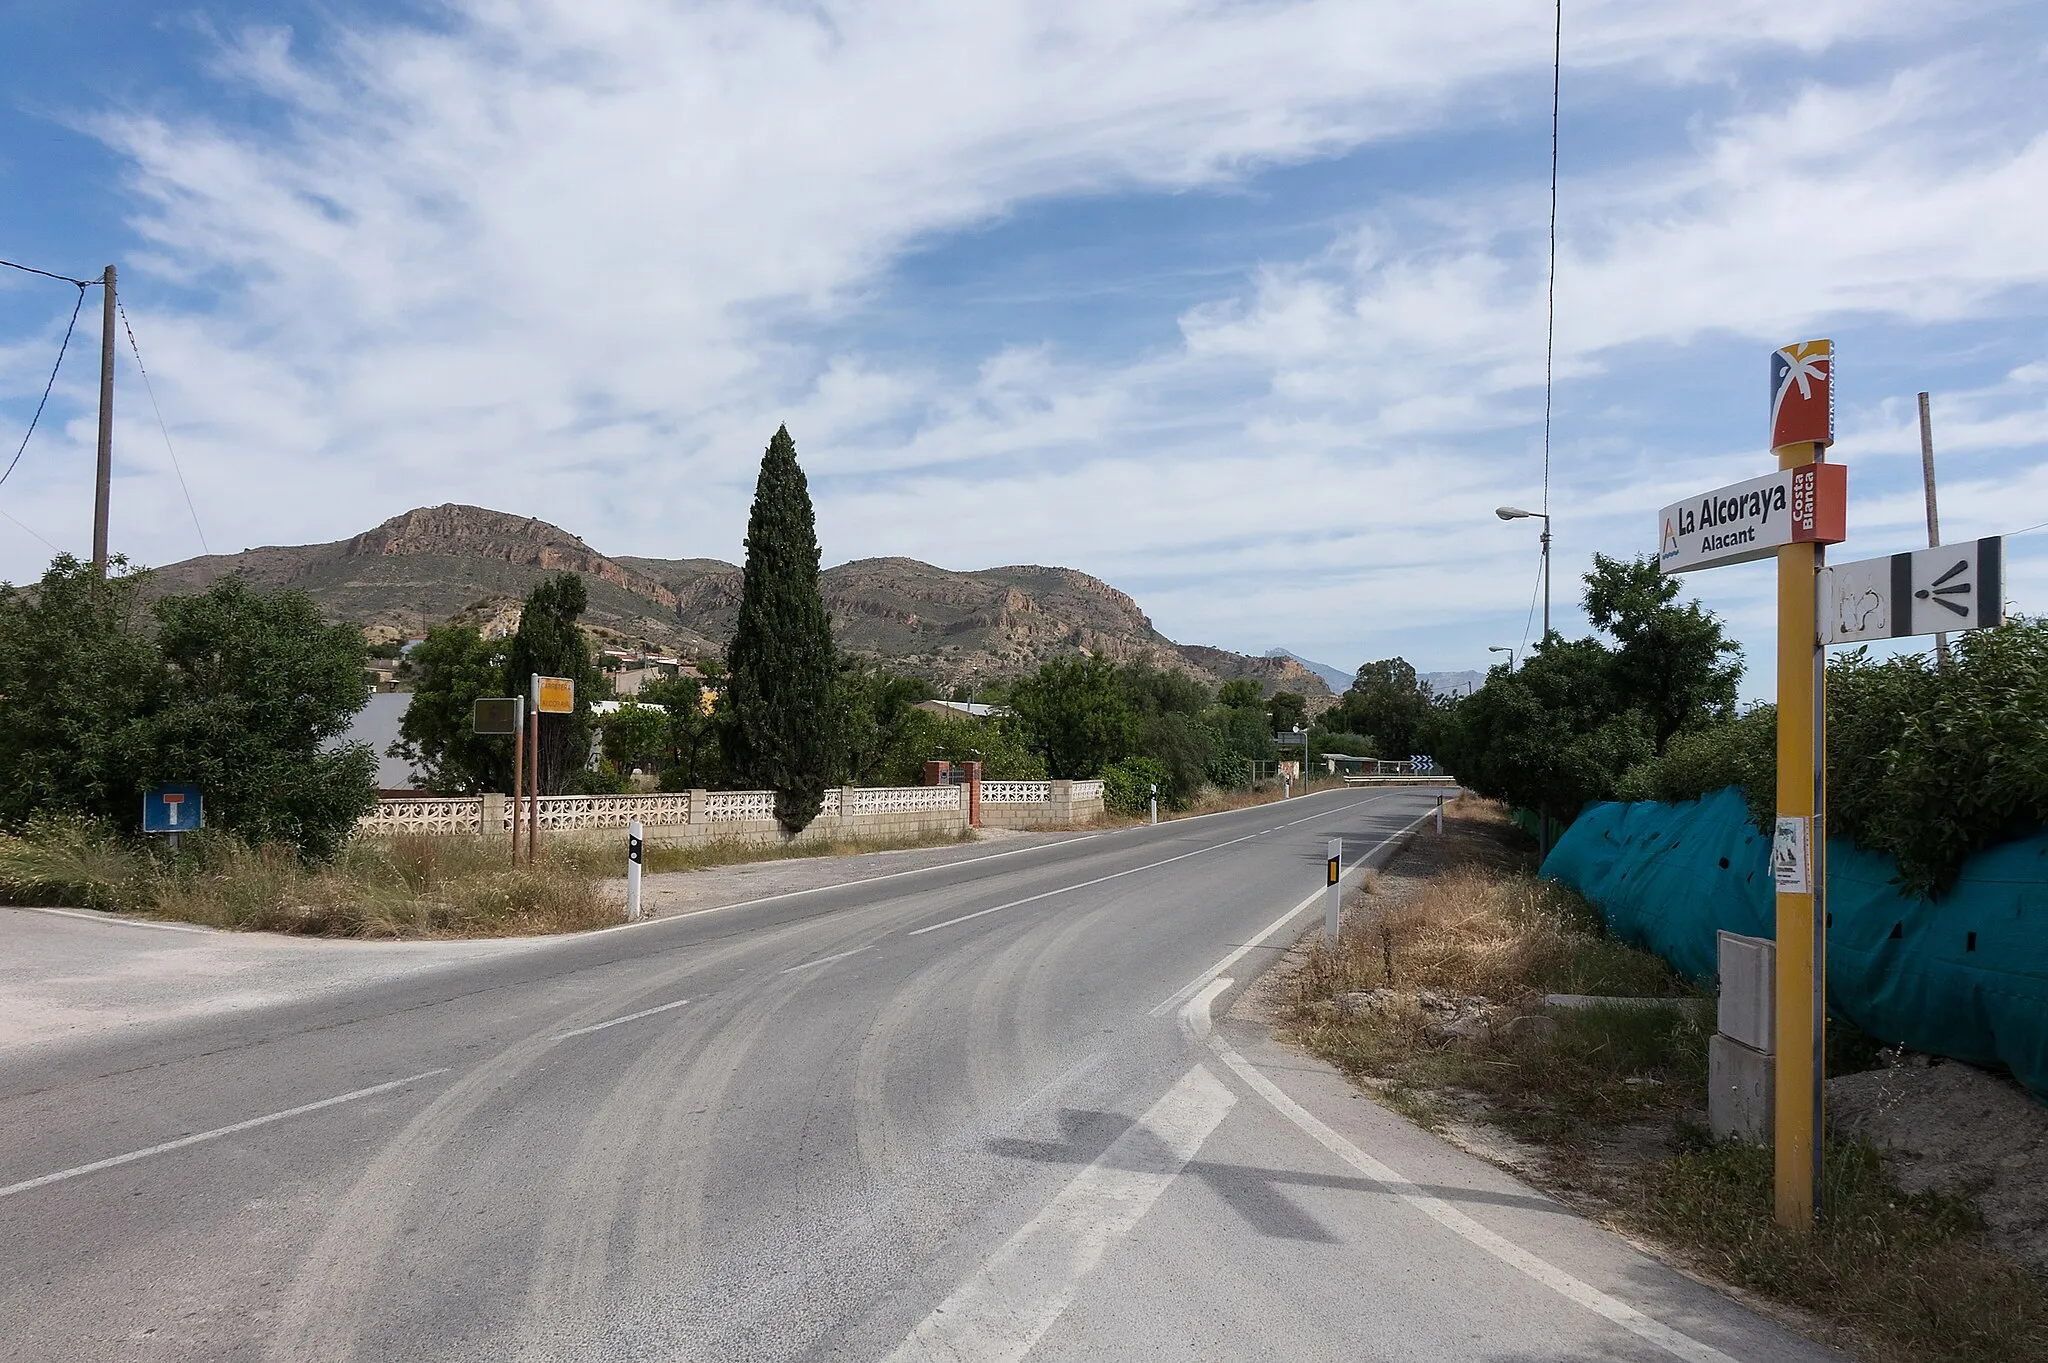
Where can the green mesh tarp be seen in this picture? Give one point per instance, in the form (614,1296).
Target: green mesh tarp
(1965,975)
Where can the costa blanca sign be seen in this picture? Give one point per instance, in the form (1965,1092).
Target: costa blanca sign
(1751,520)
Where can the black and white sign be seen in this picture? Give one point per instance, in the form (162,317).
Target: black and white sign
(1954,587)
(1788,855)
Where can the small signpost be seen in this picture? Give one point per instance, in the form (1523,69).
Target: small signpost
(1333,908)
(1794,513)
(505,715)
(173,809)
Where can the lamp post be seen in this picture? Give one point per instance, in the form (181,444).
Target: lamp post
(1503,648)
(1515,513)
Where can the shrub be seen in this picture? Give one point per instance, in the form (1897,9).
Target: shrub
(1127,785)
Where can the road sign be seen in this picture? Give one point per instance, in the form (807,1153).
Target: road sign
(1803,394)
(554,695)
(495,715)
(1753,519)
(1953,587)
(1291,740)
(173,809)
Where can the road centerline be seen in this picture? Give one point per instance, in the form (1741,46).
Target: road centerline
(614,1022)
(167,1146)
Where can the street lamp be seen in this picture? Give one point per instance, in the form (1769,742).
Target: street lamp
(1515,513)
(1503,648)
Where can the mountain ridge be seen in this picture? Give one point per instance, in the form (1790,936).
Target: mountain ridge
(430,565)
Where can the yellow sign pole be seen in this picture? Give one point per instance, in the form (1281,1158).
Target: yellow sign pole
(1802,916)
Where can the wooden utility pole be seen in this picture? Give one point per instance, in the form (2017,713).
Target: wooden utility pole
(1933,520)
(104,482)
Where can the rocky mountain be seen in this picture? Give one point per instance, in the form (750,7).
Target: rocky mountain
(436,564)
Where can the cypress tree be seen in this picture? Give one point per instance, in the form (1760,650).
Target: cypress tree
(781,661)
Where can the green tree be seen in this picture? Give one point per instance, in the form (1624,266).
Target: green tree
(549,644)
(877,718)
(1075,712)
(1242,694)
(1674,663)
(79,681)
(1163,691)
(259,686)
(453,666)
(692,725)
(782,660)
(1389,705)
(1286,711)
(635,736)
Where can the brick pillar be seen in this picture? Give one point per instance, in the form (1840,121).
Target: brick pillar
(935,773)
(491,823)
(973,770)
(697,813)
(1062,801)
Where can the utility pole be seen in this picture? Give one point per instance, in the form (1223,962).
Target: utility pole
(104,482)
(1933,521)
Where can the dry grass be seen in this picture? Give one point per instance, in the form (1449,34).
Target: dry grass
(605,855)
(1613,1098)
(412,885)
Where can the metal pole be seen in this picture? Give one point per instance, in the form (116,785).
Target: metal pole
(1546,577)
(1933,520)
(533,787)
(1801,917)
(1333,907)
(103,482)
(634,848)
(518,768)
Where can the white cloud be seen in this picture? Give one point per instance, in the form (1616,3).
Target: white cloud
(567,259)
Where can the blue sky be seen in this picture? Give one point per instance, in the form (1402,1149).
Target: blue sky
(1237,306)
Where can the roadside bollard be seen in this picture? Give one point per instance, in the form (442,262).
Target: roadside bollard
(1333,909)
(634,854)
(1439,815)
(1155,802)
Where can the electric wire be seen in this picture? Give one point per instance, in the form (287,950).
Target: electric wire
(1529,621)
(1550,283)
(47,274)
(120,307)
(23,525)
(61,348)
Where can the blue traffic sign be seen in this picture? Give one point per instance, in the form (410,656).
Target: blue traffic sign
(172,809)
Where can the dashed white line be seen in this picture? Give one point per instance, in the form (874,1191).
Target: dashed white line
(613,1022)
(1067,889)
(45,1180)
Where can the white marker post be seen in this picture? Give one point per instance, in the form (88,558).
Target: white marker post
(1155,803)
(634,853)
(1333,910)
(1439,815)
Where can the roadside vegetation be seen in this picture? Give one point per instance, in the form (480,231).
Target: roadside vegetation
(1434,1000)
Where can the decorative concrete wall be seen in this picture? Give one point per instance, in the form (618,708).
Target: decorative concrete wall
(870,814)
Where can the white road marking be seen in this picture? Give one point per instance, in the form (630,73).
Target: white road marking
(1056,1084)
(116,920)
(1066,889)
(1186,991)
(45,1180)
(1195,1021)
(1014,1298)
(1444,1214)
(827,960)
(613,1022)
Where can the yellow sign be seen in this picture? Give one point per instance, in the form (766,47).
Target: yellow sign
(554,695)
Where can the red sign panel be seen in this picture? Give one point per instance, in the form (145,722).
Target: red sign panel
(1803,394)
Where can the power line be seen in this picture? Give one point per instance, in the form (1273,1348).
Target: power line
(31,530)
(1529,621)
(1550,285)
(65,345)
(30,269)
(147,388)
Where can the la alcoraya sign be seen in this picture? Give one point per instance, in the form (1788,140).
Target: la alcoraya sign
(1751,520)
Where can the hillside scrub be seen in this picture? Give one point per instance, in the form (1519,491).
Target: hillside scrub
(408,885)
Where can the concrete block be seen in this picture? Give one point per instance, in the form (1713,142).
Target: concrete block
(1748,1009)
(1741,1086)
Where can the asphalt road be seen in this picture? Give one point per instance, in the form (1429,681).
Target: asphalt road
(976,1112)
